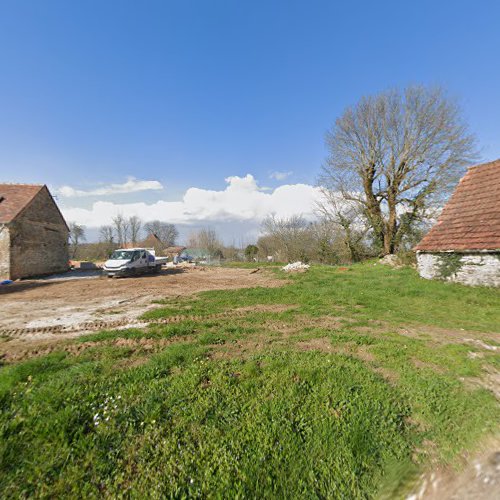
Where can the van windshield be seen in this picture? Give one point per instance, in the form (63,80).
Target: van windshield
(122,255)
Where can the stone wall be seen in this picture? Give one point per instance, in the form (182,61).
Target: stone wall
(469,268)
(39,239)
(4,252)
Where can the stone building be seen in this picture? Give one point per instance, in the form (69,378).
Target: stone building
(464,245)
(33,233)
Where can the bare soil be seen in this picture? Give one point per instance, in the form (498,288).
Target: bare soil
(478,478)
(53,305)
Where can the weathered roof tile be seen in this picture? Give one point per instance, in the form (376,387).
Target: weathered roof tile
(14,198)
(471,218)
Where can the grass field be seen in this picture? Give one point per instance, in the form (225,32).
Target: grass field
(343,383)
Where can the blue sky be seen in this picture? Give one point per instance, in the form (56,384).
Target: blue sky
(189,93)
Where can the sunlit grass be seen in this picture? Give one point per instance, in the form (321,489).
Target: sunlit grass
(323,397)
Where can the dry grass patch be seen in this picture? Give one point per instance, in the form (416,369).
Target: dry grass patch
(22,351)
(418,363)
(266,308)
(323,344)
(490,381)
(447,336)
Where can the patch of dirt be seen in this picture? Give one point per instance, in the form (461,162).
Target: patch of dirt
(387,374)
(54,305)
(281,327)
(299,322)
(132,362)
(364,354)
(21,350)
(448,336)
(367,329)
(482,345)
(418,363)
(323,344)
(478,479)
(489,381)
(326,322)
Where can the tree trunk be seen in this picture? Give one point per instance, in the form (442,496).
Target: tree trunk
(390,226)
(373,211)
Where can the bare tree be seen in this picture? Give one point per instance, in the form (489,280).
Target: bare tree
(344,219)
(135,225)
(122,229)
(106,235)
(324,235)
(207,239)
(107,241)
(165,232)
(76,236)
(394,153)
(289,237)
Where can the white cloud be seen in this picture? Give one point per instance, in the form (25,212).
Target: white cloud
(280,176)
(132,185)
(241,201)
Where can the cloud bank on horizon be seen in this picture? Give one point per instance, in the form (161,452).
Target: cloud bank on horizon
(242,200)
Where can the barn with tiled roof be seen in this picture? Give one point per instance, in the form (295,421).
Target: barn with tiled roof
(464,245)
(33,232)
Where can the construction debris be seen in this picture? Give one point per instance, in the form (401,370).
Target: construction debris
(296,267)
(390,260)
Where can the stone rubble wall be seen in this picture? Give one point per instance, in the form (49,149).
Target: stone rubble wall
(38,240)
(482,269)
(4,252)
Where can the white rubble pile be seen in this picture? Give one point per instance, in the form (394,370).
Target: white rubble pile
(295,267)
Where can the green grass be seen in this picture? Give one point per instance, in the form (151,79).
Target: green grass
(368,291)
(320,402)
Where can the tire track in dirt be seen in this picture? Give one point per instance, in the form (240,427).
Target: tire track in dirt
(92,326)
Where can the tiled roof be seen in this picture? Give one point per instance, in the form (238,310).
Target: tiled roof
(471,218)
(174,249)
(14,198)
(149,242)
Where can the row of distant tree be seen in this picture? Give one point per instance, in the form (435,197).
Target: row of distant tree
(325,241)
(132,230)
(124,231)
(393,159)
(121,232)
(283,239)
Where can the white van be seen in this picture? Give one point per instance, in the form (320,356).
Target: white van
(133,261)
